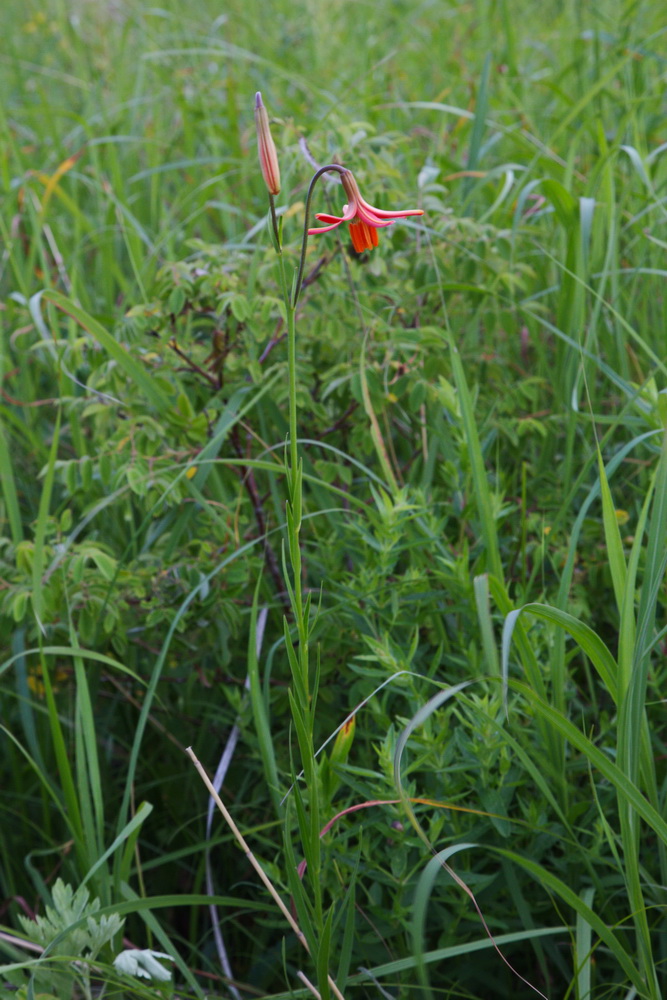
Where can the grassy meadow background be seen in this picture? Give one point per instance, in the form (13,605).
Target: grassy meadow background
(482,418)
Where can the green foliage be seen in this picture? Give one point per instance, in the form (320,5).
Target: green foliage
(69,929)
(69,908)
(465,548)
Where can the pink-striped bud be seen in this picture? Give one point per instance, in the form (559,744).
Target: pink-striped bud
(268,158)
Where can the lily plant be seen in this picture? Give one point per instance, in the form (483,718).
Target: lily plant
(364,221)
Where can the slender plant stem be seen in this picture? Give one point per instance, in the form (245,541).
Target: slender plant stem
(253,861)
(274,224)
(291,365)
(303,692)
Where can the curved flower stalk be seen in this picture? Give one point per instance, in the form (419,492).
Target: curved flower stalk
(364,220)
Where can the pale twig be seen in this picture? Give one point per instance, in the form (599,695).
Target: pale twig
(20,943)
(308,156)
(306,981)
(57,257)
(255,864)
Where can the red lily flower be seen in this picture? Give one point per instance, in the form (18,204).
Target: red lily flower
(364,220)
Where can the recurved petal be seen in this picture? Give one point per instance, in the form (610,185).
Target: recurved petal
(323,217)
(382,214)
(324,229)
(368,216)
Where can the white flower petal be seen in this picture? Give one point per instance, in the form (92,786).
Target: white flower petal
(142,964)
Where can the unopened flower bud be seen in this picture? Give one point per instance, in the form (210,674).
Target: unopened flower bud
(268,158)
(343,742)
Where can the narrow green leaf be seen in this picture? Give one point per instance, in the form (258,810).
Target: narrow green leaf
(627,791)
(114,349)
(129,833)
(583,950)
(480,481)
(9,489)
(40,530)
(612,536)
(345,950)
(569,896)
(481,587)
(323,951)
(259,707)
(376,434)
(588,641)
(85,654)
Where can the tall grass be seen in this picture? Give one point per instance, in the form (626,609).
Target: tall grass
(463,545)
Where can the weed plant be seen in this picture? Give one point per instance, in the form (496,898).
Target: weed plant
(400,579)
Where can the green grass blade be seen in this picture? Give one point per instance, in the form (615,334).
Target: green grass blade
(481,587)
(627,791)
(479,477)
(554,884)
(612,536)
(259,707)
(126,361)
(583,952)
(588,641)
(41,528)
(8,485)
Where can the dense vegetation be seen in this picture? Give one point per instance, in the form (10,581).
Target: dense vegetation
(482,417)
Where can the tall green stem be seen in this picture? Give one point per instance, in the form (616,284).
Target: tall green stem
(303,692)
(291,366)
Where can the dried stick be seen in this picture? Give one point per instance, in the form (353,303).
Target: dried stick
(255,864)
(304,979)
